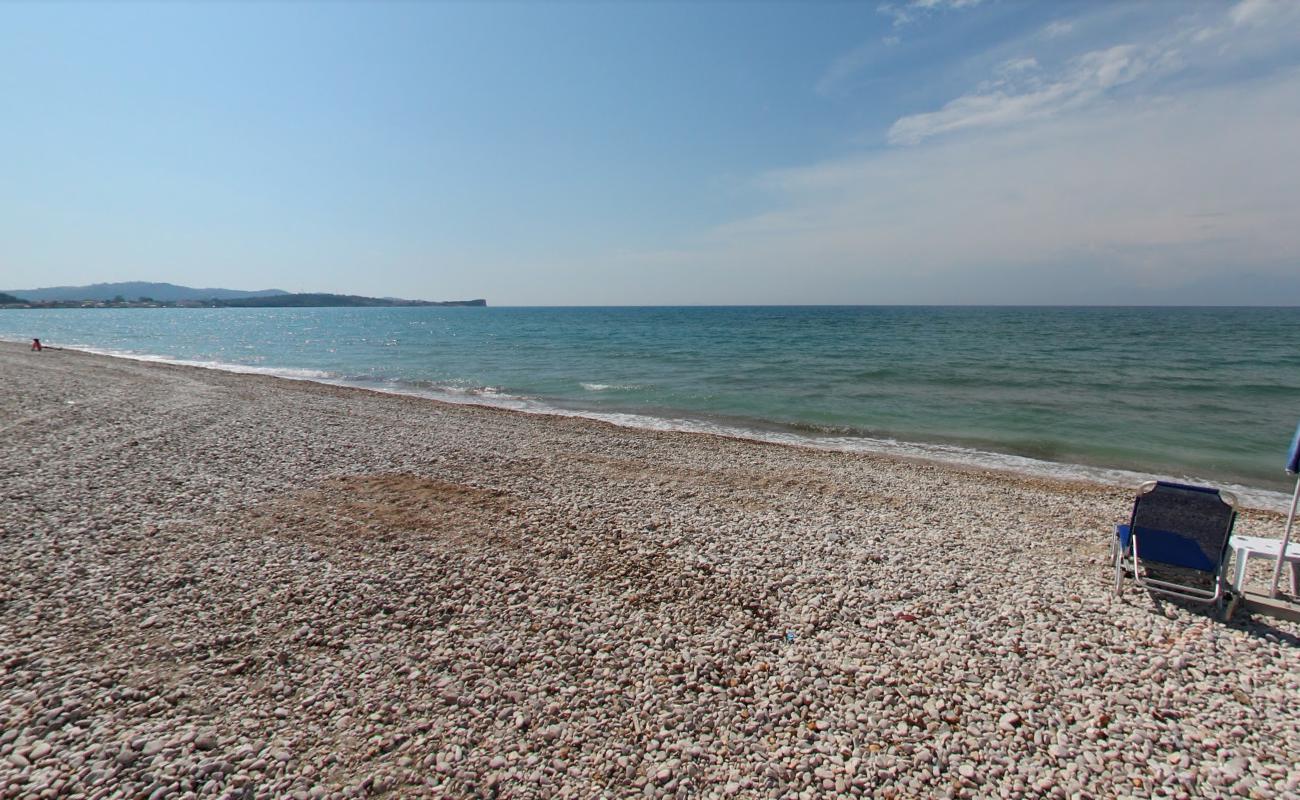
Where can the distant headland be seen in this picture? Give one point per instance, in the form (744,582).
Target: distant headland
(137,294)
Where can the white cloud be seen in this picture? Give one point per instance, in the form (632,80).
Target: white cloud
(1057,29)
(845,65)
(1085,78)
(1274,19)
(933,4)
(1142,200)
(1261,12)
(905,13)
(1051,186)
(1020,91)
(899,13)
(1017,65)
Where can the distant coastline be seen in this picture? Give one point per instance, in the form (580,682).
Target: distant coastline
(281,301)
(166,295)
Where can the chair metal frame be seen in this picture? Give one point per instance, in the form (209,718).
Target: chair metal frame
(1129,558)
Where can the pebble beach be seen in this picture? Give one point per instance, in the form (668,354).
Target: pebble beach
(228,585)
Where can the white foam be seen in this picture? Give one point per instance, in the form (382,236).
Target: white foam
(607,387)
(950,454)
(223,366)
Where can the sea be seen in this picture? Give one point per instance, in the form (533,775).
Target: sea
(1117,395)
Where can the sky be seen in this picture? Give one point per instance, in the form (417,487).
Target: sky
(905,151)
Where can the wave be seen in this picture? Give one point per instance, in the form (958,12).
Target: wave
(812,436)
(609,387)
(290,373)
(947,454)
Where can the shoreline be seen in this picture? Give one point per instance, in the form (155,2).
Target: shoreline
(224,584)
(948,455)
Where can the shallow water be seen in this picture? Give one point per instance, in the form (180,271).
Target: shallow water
(1200,393)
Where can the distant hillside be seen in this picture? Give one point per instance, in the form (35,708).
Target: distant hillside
(138,294)
(317,300)
(134,290)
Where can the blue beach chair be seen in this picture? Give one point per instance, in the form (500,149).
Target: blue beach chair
(1176,543)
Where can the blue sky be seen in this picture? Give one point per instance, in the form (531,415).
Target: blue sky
(909,151)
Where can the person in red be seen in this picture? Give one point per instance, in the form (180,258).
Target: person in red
(36,345)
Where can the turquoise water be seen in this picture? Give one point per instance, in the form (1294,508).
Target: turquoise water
(1203,393)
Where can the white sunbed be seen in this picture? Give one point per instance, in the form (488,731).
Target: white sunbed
(1244,547)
